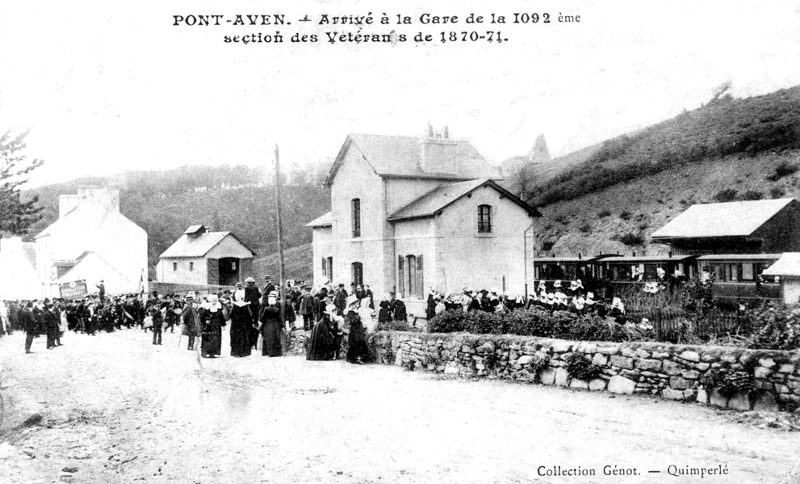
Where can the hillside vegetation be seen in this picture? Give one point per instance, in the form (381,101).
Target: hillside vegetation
(722,128)
(226,198)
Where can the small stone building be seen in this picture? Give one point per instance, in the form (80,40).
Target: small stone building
(200,257)
(787,269)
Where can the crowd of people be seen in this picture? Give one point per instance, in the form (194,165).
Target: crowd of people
(255,314)
(551,296)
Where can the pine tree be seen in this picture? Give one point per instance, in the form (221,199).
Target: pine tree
(16,216)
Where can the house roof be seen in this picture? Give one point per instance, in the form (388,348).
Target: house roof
(557,260)
(731,219)
(646,258)
(402,156)
(325,220)
(442,196)
(197,245)
(86,217)
(194,229)
(739,257)
(787,265)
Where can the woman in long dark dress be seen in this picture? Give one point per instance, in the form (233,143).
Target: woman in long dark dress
(357,351)
(241,325)
(271,326)
(212,321)
(320,344)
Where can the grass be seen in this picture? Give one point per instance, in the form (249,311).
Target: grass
(741,127)
(297,264)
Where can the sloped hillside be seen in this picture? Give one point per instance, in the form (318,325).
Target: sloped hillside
(296,260)
(230,198)
(725,127)
(621,218)
(627,187)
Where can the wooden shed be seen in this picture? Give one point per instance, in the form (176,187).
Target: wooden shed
(205,258)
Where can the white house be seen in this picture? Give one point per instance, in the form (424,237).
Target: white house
(200,257)
(18,279)
(409,214)
(92,241)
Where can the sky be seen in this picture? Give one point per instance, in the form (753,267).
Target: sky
(109,86)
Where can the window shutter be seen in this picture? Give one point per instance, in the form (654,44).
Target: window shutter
(401,276)
(420,281)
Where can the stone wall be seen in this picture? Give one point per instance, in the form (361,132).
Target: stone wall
(675,372)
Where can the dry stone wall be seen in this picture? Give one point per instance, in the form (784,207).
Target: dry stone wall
(722,376)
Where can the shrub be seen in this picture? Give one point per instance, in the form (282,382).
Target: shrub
(531,322)
(630,239)
(752,195)
(727,195)
(547,245)
(580,368)
(396,326)
(777,192)
(603,214)
(777,329)
(481,322)
(585,228)
(625,215)
(453,321)
(783,169)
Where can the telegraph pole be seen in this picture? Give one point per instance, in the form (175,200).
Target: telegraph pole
(280,234)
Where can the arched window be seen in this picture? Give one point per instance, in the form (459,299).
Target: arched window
(484,219)
(355,211)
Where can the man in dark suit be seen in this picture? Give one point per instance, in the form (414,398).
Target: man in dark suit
(29,325)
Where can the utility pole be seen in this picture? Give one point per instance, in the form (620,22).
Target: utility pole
(280,234)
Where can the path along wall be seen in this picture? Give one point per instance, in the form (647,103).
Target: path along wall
(767,380)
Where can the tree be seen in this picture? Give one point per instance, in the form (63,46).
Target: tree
(16,216)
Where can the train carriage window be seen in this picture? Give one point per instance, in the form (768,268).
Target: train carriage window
(747,272)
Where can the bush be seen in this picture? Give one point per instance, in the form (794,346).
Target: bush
(727,195)
(783,169)
(396,326)
(533,322)
(580,368)
(585,228)
(453,321)
(630,238)
(547,245)
(777,192)
(481,322)
(625,215)
(603,214)
(777,329)
(752,195)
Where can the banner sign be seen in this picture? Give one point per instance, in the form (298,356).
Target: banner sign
(73,290)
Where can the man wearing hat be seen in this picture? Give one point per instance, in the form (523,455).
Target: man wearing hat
(191,320)
(51,324)
(307,308)
(268,285)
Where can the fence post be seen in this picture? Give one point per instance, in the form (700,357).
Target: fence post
(660,320)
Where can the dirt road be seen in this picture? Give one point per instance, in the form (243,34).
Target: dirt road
(115,408)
